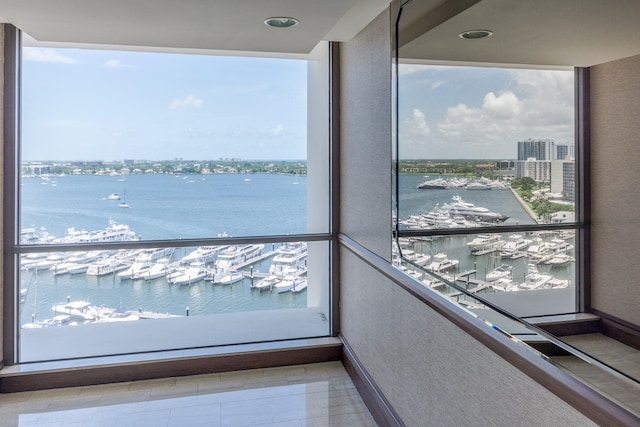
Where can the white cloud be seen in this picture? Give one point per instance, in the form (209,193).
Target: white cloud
(116,63)
(277,130)
(190,101)
(46,55)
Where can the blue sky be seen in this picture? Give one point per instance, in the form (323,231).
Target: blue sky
(481,112)
(111,105)
(98,104)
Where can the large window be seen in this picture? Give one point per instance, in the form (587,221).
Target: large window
(486,185)
(163,202)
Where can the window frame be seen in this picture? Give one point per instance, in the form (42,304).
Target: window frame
(11,199)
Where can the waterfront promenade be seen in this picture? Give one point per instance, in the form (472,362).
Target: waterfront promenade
(525,206)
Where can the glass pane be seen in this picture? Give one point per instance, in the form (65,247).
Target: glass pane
(140,294)
(169,145)
(526,274)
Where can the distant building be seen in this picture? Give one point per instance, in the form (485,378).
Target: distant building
(541,149)
(563,216)
(539,170)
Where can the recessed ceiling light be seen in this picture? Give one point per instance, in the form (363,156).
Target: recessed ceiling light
(281,22)
(475,34)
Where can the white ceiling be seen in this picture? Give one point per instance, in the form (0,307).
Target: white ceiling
(229,25)
(535,32)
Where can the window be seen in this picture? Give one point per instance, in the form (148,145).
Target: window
(486,185)
(170,201)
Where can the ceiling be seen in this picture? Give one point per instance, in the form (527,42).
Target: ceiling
(534,32)
(229,25)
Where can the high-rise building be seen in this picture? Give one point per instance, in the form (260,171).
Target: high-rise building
(541,149)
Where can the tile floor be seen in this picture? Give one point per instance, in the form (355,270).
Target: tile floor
(319,394)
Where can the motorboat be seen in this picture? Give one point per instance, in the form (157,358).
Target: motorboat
(299,286)
(228,278)
(534,279)
(80,309)
(434,184)
(289,256)
(472,212)
(237,256)
(559,259)
(504,284)
(135,270)
(157,270)
(484,242)
(442,263)
(105,266)
(285,285)
(113,233)
(515,243)
(266,284)
(205,254)
(190,276)
(500,272)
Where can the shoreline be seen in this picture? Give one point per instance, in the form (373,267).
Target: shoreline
(526,207)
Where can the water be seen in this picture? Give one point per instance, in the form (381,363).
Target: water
(162,207)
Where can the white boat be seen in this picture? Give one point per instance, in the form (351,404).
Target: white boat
(285,285)
(289,256)
(237,256)
(137,269)
(472,212)
(559,259)
(157,270)
(228,278)
(534,279)
(266,284)
(113,196)
(515,243)
(205,254)
(501,272)
(484,242)
(442,263)
(117,315)
(190,276)
(504,284)
(113,233)
(299,286)
(152,255)
(434,184)
(81,309)
(104,267)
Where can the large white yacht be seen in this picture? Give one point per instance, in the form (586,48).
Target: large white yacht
(289,257)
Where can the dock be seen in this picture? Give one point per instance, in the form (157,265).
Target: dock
(151,315)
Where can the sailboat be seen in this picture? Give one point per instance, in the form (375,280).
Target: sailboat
(123,203)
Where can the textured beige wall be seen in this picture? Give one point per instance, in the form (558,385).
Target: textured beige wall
(430,371)
(2,27)
(615,174)
(365,206)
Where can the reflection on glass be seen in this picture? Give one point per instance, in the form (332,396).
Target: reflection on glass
(490,264)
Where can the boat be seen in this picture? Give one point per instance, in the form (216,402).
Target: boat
(434,184)
(559,259)
(534,279)
(477,186)
(80,309)
(113,196)
(285,285)
(472,212)
(237,256)
(500,272)
(289,256)
(191,275)
(152,255)
(113,233)
(484,242)
(157,270)
(204,254)
(265,284)
(105,266)
(299,286)
(504,284)
(442,263)
(515,243)
(227,278)
(118,315)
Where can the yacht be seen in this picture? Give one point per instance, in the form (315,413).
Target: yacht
(501,272)
(559,259)
(299,286)
(266,284)
(534,279)
(113,233)
(289,256)
(515,243)
(205,254)
(437,184)
(104,267)
(190,276)
(237,256)
(286,285)
(80,309)
(442,263)
(472,212)
(227,278)
(484,242)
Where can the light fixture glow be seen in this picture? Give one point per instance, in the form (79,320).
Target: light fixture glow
(281,22)
(475,34)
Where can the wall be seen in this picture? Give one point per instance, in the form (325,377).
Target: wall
(431,372)
(615,175)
